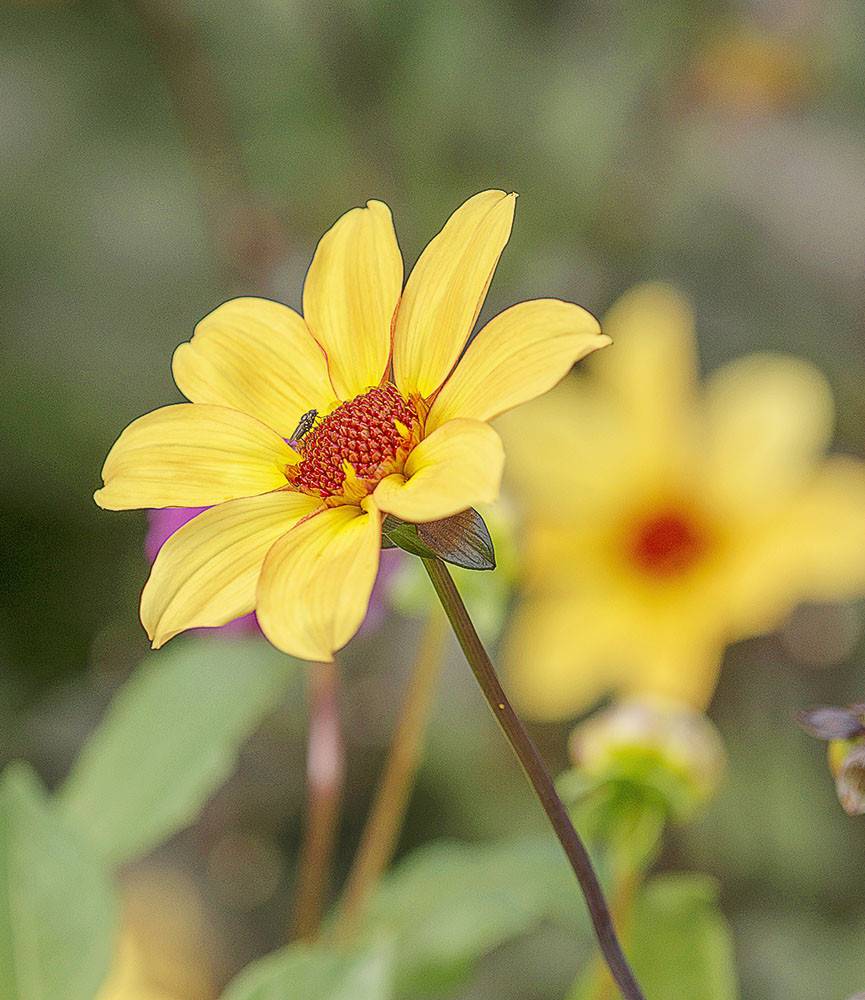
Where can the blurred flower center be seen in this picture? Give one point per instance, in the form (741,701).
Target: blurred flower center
(667,543)
(371,433)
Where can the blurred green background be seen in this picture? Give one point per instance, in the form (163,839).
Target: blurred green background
(157,158)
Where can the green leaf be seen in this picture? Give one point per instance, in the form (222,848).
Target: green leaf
(680,943)
(449,904)
(169,740)
(57,909)
(317,973)
(461,540)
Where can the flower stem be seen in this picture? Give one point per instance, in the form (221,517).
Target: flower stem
(325,766)
(622,905)
(535,769)
(385,820)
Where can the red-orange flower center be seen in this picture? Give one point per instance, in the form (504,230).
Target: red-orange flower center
(667,543)
(369,432)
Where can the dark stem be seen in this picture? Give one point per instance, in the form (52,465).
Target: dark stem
(325,768)
(538,775)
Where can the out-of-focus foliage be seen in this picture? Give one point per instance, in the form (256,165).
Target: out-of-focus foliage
(57,910)
(639,767)
(449,904)
(317,973)
(431,921)
(169,741)
(678,916)
(128,978)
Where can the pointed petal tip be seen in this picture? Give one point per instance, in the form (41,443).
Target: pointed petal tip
(159,637)
(378,203)
(105,501)
(156,640)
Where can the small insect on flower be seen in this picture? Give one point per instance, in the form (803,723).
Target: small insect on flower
(390,413)
(304,426)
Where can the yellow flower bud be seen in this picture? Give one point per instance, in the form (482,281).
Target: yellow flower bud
(662,746)
(847,763)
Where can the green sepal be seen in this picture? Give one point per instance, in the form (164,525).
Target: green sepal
(397,534)
(461,540)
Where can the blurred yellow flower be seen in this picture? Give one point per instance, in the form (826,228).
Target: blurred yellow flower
(128,979)
(748,69)
(663,522)
(302,431)
(166,945)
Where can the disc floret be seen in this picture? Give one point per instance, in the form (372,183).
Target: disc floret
(357,445)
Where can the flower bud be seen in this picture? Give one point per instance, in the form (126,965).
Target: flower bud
(659,746)
(847,762)
(844,731)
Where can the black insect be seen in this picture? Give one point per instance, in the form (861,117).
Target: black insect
(305,425)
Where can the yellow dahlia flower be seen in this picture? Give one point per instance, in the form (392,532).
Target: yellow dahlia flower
(303,430)
(664,521)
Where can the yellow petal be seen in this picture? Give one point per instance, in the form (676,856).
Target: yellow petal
(565,651)
(192,455)
(670,661)
(650,372)
(351,294)
(812,550)
(520,354)
(569,454)
(316,581)
(456,467)
(207,572)
(446,290)
(256,356)
(831,523)
(768,417)
(652,326)
(559,656)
